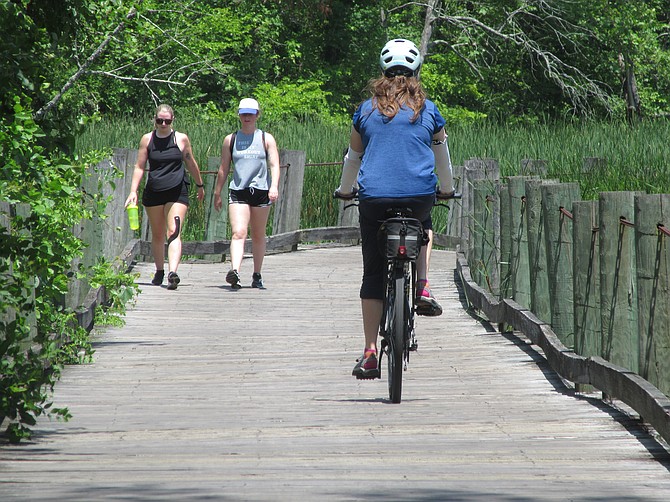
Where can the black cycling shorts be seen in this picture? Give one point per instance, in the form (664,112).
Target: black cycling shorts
(372,212)
(251,196)
(177,194)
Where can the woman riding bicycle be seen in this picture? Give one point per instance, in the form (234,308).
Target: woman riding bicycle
(397,143)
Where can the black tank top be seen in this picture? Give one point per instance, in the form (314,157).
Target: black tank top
(166,168)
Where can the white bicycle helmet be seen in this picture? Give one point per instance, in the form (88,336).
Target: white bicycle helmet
(400,57)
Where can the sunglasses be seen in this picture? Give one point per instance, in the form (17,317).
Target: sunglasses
(163,121)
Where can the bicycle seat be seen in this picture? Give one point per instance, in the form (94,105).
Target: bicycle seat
(402,212)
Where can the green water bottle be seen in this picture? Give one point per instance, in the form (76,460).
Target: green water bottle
(133,216)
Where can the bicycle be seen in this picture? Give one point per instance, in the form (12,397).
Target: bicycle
(401,237)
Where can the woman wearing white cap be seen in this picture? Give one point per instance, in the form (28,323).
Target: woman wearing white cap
(253,188)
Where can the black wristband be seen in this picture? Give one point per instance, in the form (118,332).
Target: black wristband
(200,186)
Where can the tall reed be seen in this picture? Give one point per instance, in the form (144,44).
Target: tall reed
(636,157)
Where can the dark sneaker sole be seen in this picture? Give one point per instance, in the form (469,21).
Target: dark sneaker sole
(366,374)
(173,282)
(233,279)
(428,308)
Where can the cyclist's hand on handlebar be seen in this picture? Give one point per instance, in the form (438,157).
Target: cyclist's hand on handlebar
(344,196)
(447,195)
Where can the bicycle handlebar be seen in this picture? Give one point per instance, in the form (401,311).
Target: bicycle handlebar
(439,195)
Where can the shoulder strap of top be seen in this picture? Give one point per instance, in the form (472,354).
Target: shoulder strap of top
(232,143)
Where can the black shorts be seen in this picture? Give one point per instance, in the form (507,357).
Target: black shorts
(251,196)
(177,194)
(372,212)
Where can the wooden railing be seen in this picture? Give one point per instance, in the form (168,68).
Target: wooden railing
(587,281)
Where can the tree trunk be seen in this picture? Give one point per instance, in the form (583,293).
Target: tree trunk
(629,84)
(428,26)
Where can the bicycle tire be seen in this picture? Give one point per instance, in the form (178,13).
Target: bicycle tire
(397,328)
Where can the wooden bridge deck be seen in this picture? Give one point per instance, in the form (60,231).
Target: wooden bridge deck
(213,394)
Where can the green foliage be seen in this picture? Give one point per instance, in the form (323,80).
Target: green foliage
(39,334)
(121,291)
(293,100)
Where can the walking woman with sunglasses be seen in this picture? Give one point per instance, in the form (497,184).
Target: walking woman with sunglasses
(165,195)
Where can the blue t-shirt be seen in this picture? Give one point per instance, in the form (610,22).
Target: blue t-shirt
(397,160)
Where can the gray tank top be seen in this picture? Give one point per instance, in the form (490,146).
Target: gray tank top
(251,167)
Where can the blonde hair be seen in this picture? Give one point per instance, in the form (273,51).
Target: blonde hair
(389,94)
(165,108)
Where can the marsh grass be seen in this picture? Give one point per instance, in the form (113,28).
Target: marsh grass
(636,157)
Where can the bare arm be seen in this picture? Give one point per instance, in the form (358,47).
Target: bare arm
(443,163)
(273,161)
(222,175)
(191,164)
(352,164)
(138,172)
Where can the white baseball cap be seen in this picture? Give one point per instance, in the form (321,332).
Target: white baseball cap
(248,105)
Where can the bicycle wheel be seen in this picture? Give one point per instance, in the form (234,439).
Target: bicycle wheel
(397,333)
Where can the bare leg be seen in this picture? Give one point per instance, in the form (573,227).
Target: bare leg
(259,220)
(174,247)
(372,316)
(423,260)
(240,215)
(425,302)
(158,229)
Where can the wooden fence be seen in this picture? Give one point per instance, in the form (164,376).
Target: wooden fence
(588,281)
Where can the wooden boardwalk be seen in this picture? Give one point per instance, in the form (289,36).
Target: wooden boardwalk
(213,394)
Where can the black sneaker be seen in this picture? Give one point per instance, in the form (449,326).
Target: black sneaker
(426,304)
(366,368)
(158,278)
(173,280)
(233,278)
(257,281)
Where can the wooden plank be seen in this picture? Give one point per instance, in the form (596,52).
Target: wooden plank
(209,393)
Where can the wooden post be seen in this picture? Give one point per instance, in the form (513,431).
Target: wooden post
(537,255)
(533,167)
(653,292)
(617,280)
(519,261)
(485,234)
(287,209)
(505,242)
(474,169)
(558,241)
(216,222)
(588,341)
(455,217)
